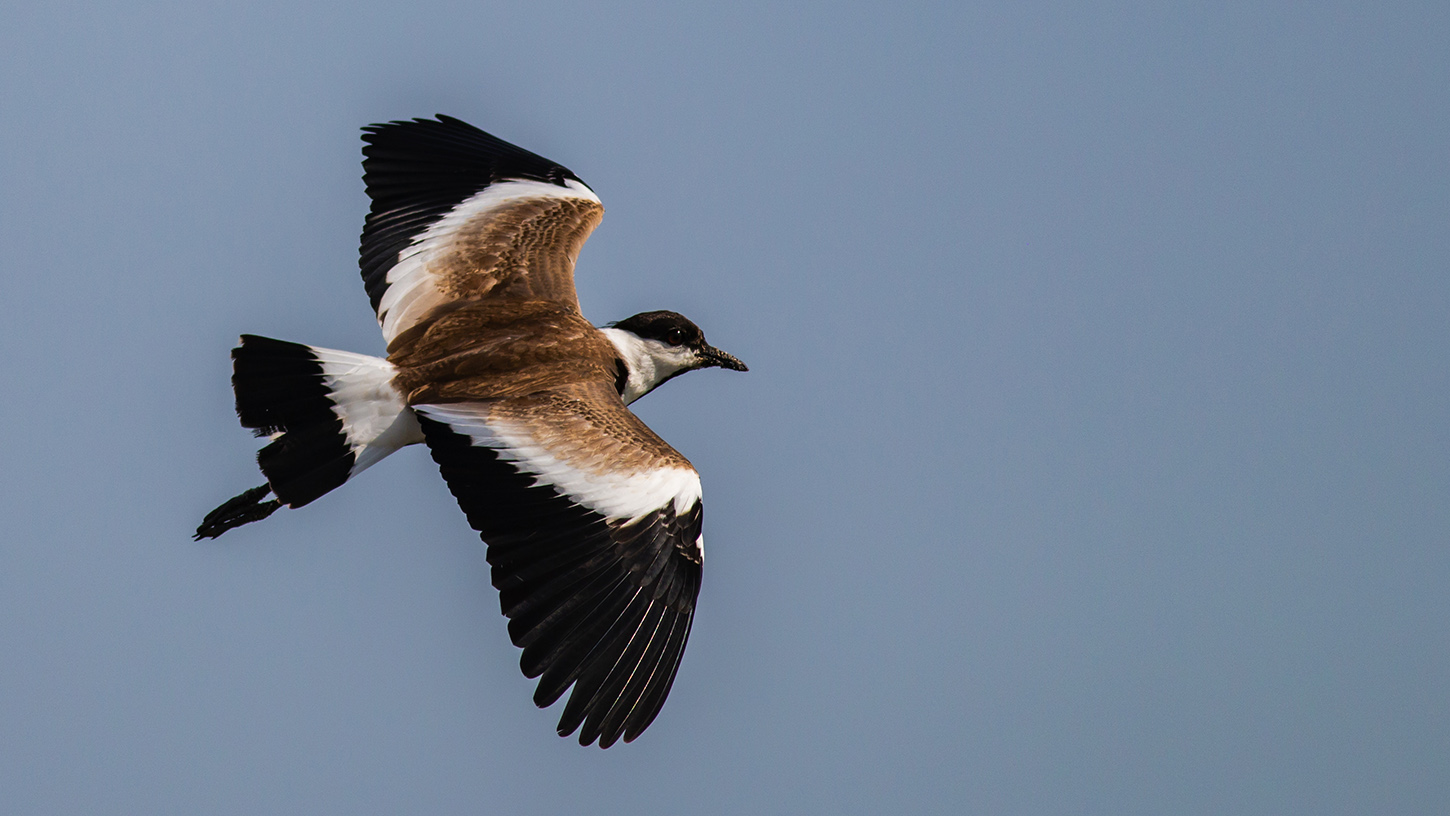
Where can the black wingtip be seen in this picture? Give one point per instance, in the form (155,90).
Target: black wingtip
(236,511)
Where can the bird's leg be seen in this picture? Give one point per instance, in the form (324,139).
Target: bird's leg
(236,511)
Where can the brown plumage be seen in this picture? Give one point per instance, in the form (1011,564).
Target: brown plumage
(593,522)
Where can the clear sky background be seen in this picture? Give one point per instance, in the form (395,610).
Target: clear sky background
(1093,458)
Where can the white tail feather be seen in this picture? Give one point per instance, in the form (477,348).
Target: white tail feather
(374,415)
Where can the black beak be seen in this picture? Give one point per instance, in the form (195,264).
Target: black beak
(715,358)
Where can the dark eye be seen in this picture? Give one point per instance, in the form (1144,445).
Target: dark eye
(675,336)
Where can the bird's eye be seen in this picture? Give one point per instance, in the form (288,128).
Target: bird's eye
(675,336)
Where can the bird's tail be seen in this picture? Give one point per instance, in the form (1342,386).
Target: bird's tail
(329,414)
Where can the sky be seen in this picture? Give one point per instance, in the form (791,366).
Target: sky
(1093,456)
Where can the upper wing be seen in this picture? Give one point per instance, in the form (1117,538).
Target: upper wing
(458,214)
(593,526)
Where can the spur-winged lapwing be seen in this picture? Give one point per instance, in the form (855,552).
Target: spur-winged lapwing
(593,523)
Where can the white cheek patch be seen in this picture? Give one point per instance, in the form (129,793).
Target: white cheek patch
(623,496)
(649,362)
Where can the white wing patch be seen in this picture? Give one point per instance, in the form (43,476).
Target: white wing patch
(617,495)
(412,286)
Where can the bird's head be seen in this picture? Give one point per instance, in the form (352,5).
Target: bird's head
(659,346)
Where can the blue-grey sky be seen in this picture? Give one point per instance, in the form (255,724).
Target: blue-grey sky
(1093,458)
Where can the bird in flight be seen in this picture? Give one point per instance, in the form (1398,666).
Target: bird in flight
(592,521)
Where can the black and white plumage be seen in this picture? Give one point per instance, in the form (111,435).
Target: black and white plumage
(593,523)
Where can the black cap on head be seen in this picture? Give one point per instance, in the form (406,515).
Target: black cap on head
(667,327)
(673,328)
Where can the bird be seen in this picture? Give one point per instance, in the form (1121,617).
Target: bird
(592,523)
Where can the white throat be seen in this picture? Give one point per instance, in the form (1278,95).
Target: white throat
(648,362)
